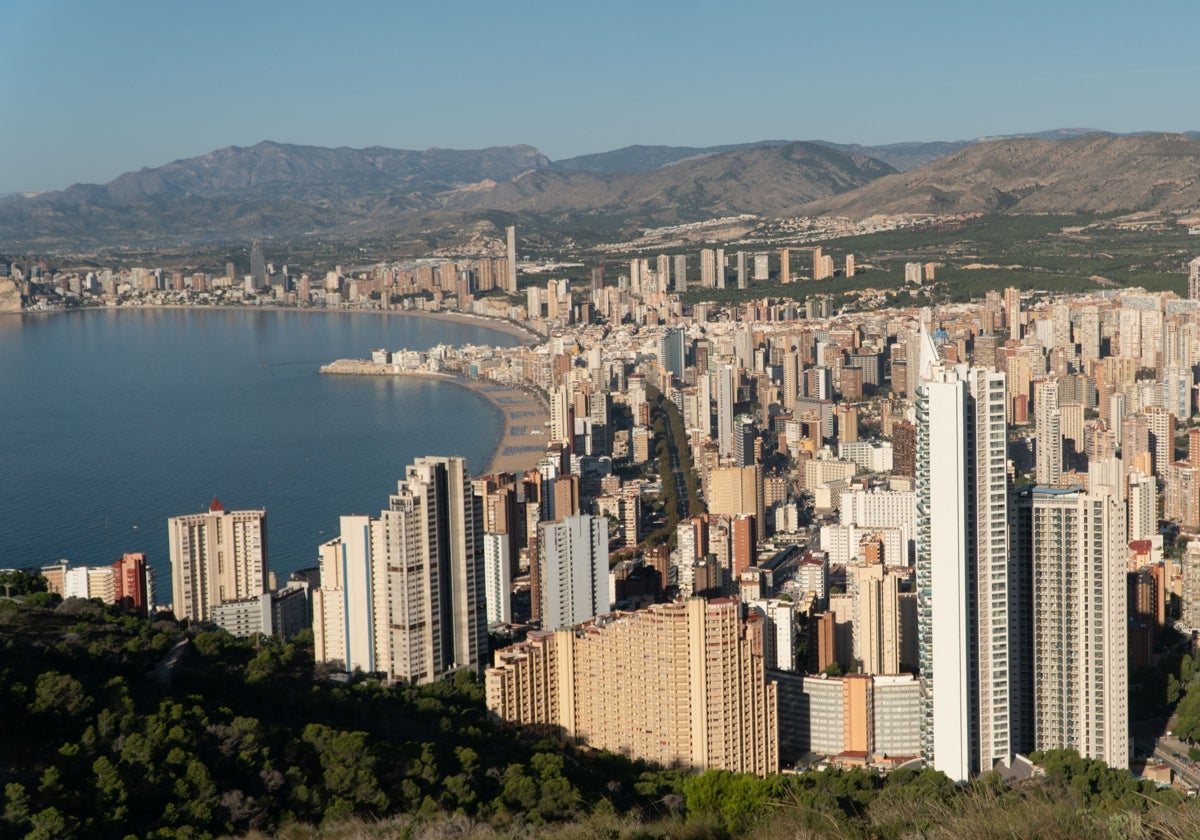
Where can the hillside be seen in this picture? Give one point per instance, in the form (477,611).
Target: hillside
(1094,173)
(269,189)
(277,190)
(237,738)
(763,180)
(633,159)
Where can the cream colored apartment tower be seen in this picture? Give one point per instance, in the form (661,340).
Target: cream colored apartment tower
(216,556)
(675,684)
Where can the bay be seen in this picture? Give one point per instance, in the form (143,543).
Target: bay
(112,421)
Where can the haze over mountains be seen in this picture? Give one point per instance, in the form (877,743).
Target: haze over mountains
(284,191)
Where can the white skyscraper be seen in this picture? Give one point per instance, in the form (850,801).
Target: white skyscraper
(573,570)
(969,593)
(403,594)
(1143,506)
(1048,444)
(497,575)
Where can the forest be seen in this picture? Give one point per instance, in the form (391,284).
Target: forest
(114,727)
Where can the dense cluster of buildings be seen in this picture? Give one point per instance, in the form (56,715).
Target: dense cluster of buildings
(927,535)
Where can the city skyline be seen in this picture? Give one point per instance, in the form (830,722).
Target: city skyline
(534,74)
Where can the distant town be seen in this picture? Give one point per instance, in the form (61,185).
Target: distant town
(749,536)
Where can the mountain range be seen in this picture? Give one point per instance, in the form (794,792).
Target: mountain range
(287,191)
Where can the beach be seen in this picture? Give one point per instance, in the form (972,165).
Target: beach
(523,440)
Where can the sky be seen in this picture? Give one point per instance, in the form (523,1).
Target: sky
(90,90)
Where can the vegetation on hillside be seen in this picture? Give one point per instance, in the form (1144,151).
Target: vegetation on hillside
(239,739)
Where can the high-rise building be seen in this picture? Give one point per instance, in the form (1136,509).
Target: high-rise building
(762,270)
(681,282)
(744,435)
(497,576)
(676,684)
(785,266)
(258,265)
(1048,445)
(1194,279)
(216,556)
(708,268)
(562,415)
(131,589)
(779,636)
(1160,425)
(1143,507)
(510,284)
(738,490)
(573,568)
(725,395)
(904,448)
(818,264)
(1075,544)
(970,597)
(671,351)
(743,281)
(404,593)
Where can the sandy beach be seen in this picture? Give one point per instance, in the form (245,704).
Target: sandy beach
(523,441)
(498,324)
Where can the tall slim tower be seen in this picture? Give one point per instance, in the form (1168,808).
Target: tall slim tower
(216,556)
(1075,544)
(404,593)
(681,282)
(573,570)
(725,394)
(1048,448)
(511,281)
(785,266)
(258,265)
(969,593)
(671,351)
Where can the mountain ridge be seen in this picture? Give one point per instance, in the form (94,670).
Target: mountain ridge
(280,190)
(1099,173)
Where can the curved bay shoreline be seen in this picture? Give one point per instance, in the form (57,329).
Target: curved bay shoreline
(523,439)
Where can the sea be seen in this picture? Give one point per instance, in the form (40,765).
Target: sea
(113,420)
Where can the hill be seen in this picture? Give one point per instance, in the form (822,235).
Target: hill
(269,189)
(634,159)
(278,190)
(763,180)
(1095,173)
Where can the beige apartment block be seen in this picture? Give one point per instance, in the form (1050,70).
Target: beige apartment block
(676,684)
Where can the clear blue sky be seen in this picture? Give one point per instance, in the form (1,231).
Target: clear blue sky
(89,90)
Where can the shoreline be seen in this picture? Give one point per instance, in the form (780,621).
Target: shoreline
(522,437)
(500,325)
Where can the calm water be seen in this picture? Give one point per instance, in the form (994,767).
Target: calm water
(113,421)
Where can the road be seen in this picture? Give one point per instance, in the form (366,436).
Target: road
(1174,753)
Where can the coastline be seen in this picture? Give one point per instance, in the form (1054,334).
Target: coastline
(522,438)
(500,325)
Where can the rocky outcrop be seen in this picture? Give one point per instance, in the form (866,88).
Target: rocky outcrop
(10,295)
